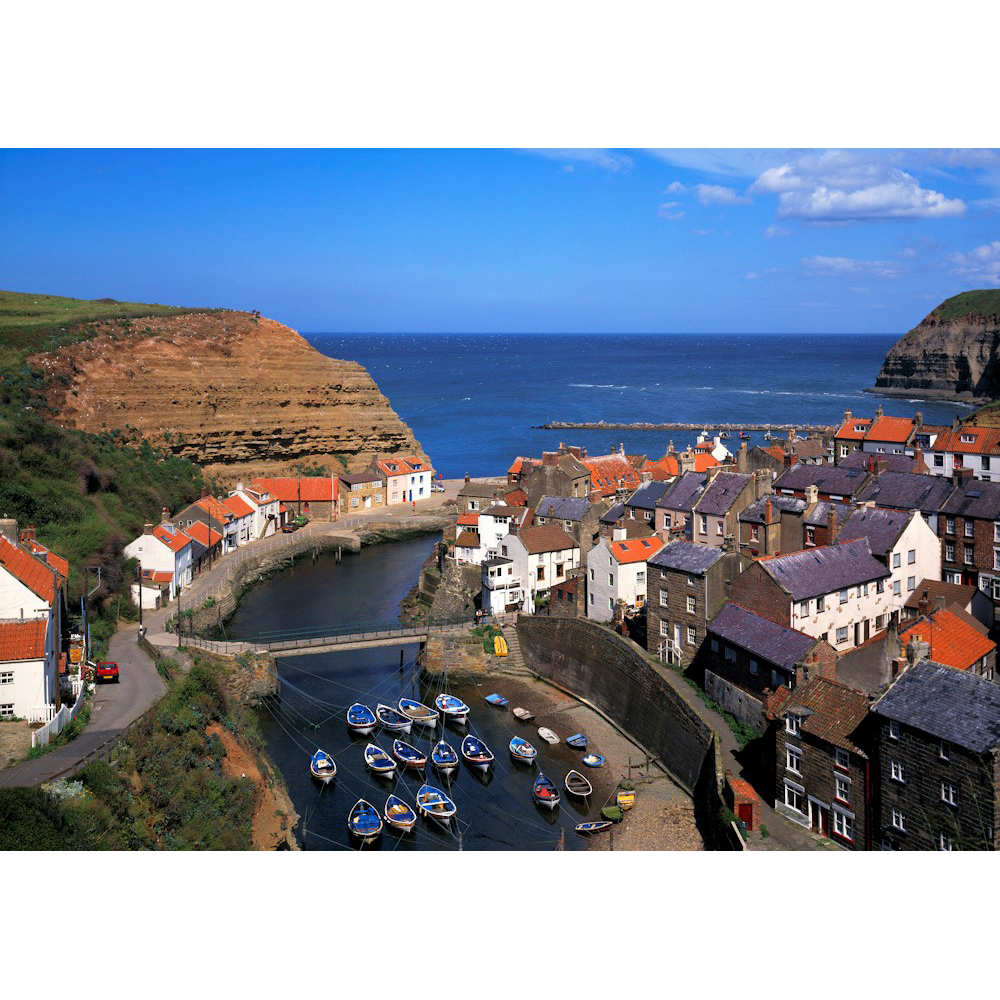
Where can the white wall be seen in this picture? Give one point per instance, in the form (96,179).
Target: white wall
(917,538)
(863,603)
(31,689)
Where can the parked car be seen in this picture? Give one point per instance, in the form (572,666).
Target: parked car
(291,526)
(106,670)
(437,487)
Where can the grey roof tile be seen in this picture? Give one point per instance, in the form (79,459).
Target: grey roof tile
(881,527)
(684,492)
(689,557)
(754,513)
(975,499)
(766,639)
(645,496)
(563,508)
(908,491)
(826,569)
(830,479)
(722,492)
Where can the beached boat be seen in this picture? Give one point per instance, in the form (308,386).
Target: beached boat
(418,712)
(625,799)
(476,752)
(408,756)
(500,646)
(523,714)
(593,760)
(378,760)
(444,757)
(434,804)
(364,821)
(452,708)
(390,719)
(522,751)
(594,826)
(497,700)
(398,814)
(577,741)
(323,767)
(361,718)
(612,813)
(578,785)
(545,792)
(547,735)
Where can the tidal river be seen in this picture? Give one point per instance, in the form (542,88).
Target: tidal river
(494,813)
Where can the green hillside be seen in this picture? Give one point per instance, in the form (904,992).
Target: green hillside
(984,301)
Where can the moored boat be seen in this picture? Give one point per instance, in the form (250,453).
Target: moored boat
(578,785)
(523,714)
(547,735)
(323,767)
(545,792)
(361,718)
(594,826)
(577,741)
(522,751)
(364,821)
(390,719)
(418,712)
(407,755)
(444,757)
(476,752)
(452,708)
(378,760)
(625,799)
(593,760)
(497,700)
(499,646)
(434,804)
(398,814)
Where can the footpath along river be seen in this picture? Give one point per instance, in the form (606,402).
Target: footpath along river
(494,813)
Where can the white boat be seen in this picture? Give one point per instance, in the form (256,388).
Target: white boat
(476,752)
(523,714)
(364,821)
(360,718)
(418,712)
(576,784)
(392,720)
(547,735)
(323,767)
(522,751)
(379,761)
(398,814)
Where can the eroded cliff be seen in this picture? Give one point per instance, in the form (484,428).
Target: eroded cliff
(951,354)
(237,393)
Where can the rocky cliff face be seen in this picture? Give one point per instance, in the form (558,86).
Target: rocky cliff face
(239,394)
(952,354)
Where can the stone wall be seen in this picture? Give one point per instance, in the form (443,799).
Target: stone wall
(740,704)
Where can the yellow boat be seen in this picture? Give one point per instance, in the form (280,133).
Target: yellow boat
(500,646)
(625,800)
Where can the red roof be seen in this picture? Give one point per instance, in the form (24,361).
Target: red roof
(214,508)
(176,541)
(201,532)
(402,467)
(516,498)
(986,441)
(469,517)
(32,572)
(258,497)
(235,505)
(742,788)
(953,642)
(894,429)
(517,464)
(157,575)
(418,464)
(669,466)
(22,640)
(846,429)
(636,549)
(609,473)
(314,489)
(56,562)
(776,451)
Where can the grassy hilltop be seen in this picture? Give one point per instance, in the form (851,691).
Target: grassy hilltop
(981,302)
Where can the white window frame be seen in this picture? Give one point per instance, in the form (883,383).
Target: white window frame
(692,635)
(793,760)
(897,772)
(793,724)
(893,729)
(692,604)
(898,820)
(842,758)
(842,788)
(949,793)
(843,825)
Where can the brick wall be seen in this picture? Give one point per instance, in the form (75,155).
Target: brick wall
(755,590)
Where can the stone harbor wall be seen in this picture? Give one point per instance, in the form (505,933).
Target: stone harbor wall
(456,592)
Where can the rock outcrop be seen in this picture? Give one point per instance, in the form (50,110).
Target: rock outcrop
(236,393)
(951,354)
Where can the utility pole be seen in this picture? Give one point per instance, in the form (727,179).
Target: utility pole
(139,571)
(180,622)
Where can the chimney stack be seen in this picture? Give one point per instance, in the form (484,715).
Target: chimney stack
(467,480)
(618,534)
(848,416)
(147,528)
(923,605)
(918,420)
(791,434)
(812,495)
(595,495)
(165,515)
(768,511)
(878,412)
(831,525)
(8,527)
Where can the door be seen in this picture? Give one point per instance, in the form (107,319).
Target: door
(857,633)
(867,629)
(368,502)
(744,812)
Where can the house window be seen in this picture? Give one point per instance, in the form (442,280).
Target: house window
(899,820)
(665,629)
(893,729)
(939,461)
(611,579)
(879,622)
(810,536)
(843,451)
(730,654)
(896,560)
(911,582)
(803,608)
(843,825)
(793,760)
(7,677)
(503,549)
(949,793)
(969,528)
(986,463)
(970,555)
(541,573)
(842,789)
(897,588)
(611,604)
(718,527)
(896,772)
(663,598)
(692,582)
(793,798)
(592,576)
(692,636)
(949,525)
(842,758)
(692,605)
(945,843)
(944,752)
(820,604)
(880,586)
(842,634)
(843,597)
(6,711)
(793,724)
(754,533)
(753,667)
(715,645)
(560,566)
(911,556)
(949,551)
(996,531)
(703,524)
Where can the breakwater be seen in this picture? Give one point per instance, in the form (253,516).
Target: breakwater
(610,425)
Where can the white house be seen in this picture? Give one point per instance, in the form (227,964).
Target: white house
(616,571)
(265,507)
(161,550)
(502,588)
(541,557)
(396,472)
(975,448)
(241,526)
(419,478)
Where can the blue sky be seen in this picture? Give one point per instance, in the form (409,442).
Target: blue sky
(513,241)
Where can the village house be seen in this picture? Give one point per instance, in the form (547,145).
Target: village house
(939,594)
(908,491)
(673,509)
(770,459)
(964,447)
(314,497)
(474,497)
(954,639)
(541,557)
(891,435)
(716,510)
(686,585)
(878,464)
(164,549)
(559,474)
(243,515)
(265,508)
(206,546)
(214,516)
(419,479)
(32,625)
(674,464)
(612,475)
(764,530)
(969,528)
(616,575)
(807,450)
(839,593)
(832,482)
(823,754)
(358,491)
(642,503)
(849,436)
(468,545)
(495,523)
(938,738)
(502,588)
(578,516)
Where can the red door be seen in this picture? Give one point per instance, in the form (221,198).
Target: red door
(744,811)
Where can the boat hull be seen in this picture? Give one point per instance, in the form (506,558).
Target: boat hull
(324,777)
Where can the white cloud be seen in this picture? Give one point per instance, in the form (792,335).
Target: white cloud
(675,188)
(605,159)
(668,210)
(751,276)
(837,266)
(774,231)
(717,194)
(981,264)
(841,186)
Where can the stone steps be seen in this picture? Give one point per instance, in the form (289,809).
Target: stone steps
(515,664)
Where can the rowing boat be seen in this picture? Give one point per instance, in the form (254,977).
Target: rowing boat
(476,752)
(444,757)
(434,804)
(378,760)
(523,714)
(578,785)
(398,814)
(408,756)
(547,735)
(364,821)
(390,719)
(418,712)
(361,718)
(545,792)
(522,751)
(595,826)
(323,767)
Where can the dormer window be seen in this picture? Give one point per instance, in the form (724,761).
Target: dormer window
(968,439)
(793,724)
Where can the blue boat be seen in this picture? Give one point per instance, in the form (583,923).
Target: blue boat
(593,760)
(390,719)
(545,792)
(522,751)
(398,814)
(452,708)
(476,752)
(408,755)
(323,767)
(578,741)
(364,821)
(594,826)
(444,757)
(360,718)
(434,804)
(378,760)
(498,700)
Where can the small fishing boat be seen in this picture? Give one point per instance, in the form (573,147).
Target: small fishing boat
(390,719)
(364,821)
(578,785)
(595,826)
(378,760)
(577,741)
(547,735)
(408,756)
(724,435)
(434,804)
(398,814)
(593,760)
(744,436)
(612,813)
(522,750)
(444,757)
(767,435)
(545,792)
(523,714)
(323,767)
(418,712)
(452,708)
(625,799)
(476,752)
(500,646)
(361,718)
(497,700)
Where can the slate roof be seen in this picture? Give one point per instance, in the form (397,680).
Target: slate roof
(684,492)
(635,549)
(501,510)
(768,640)
(22,640)
(908,491)
(722,492)
(645,496)
(882,528)
(563,508)
(754,514)
(545,538)
(687,557)
(478,490)
(830,479)
(938,591)
(612,514)
(830,711)
(953,642)
(859,459)
(825,569)
(975,499)
(804,448)
(820,514)
(948,704)
(497,561)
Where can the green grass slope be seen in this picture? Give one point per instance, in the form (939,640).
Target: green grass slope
(983,301)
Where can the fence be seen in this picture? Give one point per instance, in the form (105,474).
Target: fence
(58,722)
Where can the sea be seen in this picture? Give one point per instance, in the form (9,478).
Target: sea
(475,401)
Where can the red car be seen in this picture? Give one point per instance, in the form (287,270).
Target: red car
(106,670)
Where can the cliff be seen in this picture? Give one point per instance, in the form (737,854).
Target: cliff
(236,393)
(951,354)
